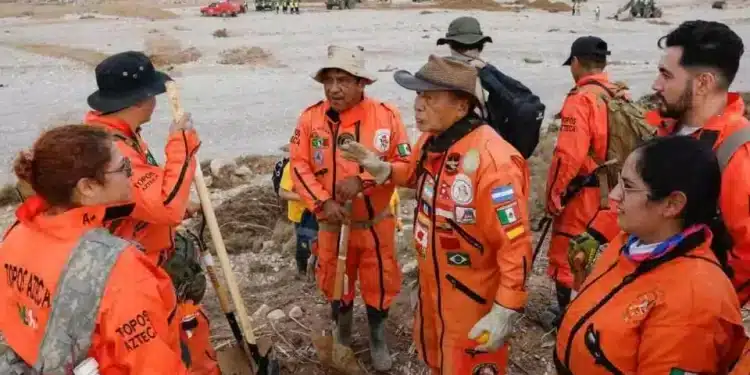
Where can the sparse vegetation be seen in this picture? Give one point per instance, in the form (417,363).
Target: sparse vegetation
(220,33)
(8,195)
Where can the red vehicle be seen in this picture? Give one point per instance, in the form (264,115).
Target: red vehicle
(223,9)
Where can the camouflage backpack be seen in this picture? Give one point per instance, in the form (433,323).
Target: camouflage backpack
(626,129)
(184,267)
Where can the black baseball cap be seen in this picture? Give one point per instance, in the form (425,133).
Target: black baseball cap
(588,46)
(124,80)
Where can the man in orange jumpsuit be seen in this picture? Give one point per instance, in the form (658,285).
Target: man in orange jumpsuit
(128,84)
(326,182)
(471,231)
(694,99)
(583,132)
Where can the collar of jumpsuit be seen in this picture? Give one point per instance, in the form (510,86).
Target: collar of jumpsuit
(598,77)
(351,115)
(94,117)
(69,224)
(735,109)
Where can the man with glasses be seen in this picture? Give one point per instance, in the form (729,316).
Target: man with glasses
(326,182)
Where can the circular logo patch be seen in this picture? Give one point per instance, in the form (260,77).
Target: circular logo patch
(471,161)
(461,190)
(345,138)
(485,369)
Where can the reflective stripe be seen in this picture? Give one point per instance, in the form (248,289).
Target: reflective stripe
(75,307)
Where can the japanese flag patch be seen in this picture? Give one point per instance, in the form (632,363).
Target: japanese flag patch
(503,194)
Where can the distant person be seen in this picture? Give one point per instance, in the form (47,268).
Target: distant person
(659,300)
(305,223)
(597,12)
(465,39)
(74,291)
(325,182)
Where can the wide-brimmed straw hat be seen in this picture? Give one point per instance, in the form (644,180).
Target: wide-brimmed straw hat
(441,74)
(349,60)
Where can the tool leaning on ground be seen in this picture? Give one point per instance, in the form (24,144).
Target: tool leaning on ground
(336,354)
(259,357)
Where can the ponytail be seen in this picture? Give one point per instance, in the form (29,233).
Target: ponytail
(722,243)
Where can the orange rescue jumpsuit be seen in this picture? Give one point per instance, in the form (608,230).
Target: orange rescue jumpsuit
(472,238)
(743,365)
(161,196)
(734,201)
(583,129)
(317,166)
(661,321)
(135,289)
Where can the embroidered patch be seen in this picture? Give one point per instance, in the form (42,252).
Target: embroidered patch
(459,259)
(445,191)
(451,163)
(426,208)
(423,219)
(318,157)
(515,232)
(502,194)
(485,369)
(420,234)
(679,371)
(450,243)
(471,161)
(465,215)
(508,214)
(444,213)
(382,141)
(345,138)
(461,190)
(404,149)
(318,142)
(27,316)
(428,188)
(638,309)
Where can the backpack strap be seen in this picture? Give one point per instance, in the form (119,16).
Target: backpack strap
(732,144)
(75,308)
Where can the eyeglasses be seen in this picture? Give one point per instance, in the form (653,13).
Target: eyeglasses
(125,167)
(626,189)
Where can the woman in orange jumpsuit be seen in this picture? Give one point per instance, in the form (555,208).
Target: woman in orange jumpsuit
(659,300)
(49,318)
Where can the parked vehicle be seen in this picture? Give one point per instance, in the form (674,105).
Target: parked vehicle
(223,9)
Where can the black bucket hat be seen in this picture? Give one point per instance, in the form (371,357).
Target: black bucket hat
(124,80)
(464,30)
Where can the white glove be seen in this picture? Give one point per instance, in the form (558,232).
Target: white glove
(370,161)
(498,323)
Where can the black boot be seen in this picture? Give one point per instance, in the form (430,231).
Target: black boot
(563,299)
(381,357)
(343,329)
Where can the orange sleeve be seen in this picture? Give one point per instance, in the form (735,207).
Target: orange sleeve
(573,144)
(404,173)
(503,215)
(689,336)
(309,188)
(161,194)
(735,206)
(134,322)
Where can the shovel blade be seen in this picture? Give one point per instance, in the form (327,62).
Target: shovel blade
(344,360)
(234,361)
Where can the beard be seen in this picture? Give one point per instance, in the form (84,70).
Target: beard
(677,109)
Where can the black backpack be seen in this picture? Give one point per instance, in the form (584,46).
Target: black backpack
(512,110)
(278,170)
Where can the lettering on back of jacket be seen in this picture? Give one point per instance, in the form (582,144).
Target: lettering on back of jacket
(30,284)
(137,331)
(568,124)
(145,181)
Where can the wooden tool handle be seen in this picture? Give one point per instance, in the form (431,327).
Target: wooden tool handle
(338,287)
(213,226)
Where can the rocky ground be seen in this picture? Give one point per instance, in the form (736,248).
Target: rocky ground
(245,79)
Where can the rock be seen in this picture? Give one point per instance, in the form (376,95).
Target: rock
(261,312)
(719,5)
(529,60)
(409,267)
(277,314)
(243,171)
(296,312)
(268,245)
(218,166)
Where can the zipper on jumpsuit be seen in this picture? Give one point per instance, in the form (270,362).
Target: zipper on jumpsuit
(435,260)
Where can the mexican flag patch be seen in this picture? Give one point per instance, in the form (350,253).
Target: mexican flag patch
(507,214)
(679,371)
(404,149)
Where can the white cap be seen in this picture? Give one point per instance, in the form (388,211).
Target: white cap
(89,366)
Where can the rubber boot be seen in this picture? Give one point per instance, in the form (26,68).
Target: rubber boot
(343,328)
(381,357)
(563,299)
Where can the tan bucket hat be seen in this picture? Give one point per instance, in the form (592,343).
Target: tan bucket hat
(441,74)
(349,60)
